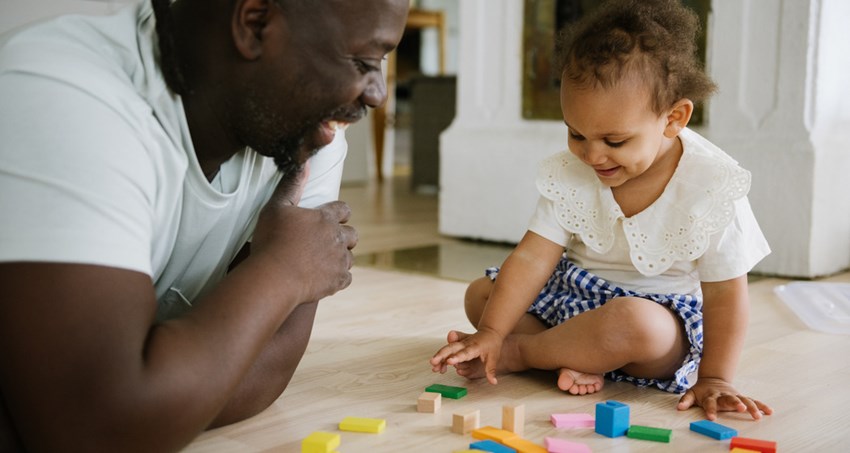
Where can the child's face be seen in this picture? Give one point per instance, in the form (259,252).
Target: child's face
(614,130)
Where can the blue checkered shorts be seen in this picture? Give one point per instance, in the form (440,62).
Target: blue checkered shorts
(572,290)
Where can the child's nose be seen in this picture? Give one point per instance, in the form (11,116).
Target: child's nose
(594,154)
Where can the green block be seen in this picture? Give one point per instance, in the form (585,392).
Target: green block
(447,391)
(649,433)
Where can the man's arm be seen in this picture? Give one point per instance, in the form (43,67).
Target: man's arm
(84,365)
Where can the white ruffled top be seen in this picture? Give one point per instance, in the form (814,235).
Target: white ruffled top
(705,194)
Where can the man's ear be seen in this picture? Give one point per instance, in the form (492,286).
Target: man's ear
(250,18)
(678,117)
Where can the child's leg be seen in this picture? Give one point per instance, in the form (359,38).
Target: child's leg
(477,295)
(639,336)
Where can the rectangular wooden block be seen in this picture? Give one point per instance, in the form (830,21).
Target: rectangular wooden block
(649,433)
(465,422)
(555,445)
(363,425)
(493,433)
(524,446)
(429,402)
(714,430)
(320,442)
(763,446)
(572,420)
(491,446)
(513,418)
(447,391)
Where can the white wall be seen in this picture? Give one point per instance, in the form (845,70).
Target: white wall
(781,111)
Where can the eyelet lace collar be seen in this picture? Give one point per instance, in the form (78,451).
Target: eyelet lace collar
(697,202)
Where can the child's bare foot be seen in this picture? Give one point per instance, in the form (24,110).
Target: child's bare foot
(578,383)
(509,361)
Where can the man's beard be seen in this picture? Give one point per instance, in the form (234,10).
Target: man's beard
(287,155)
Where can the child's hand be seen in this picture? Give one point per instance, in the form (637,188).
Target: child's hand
(713,395)
(484,345)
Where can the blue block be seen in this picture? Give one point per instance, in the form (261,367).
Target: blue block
(491,446)
(612,418)
(715,430)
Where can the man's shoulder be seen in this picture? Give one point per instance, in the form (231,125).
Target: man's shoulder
(96,54)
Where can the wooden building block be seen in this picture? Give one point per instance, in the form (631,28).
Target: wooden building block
(575,420)
(649,433)
(555,445)
(493,433)
(429,402)
(363,425)
(715,430)
(465,422)
(763,446)
(513,418)
(320,442)
(741,450)
(447,391)
(491,446)
(524,446)
(612,418)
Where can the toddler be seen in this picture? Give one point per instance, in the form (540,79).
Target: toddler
(634,266)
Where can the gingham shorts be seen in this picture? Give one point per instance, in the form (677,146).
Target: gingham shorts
(572,290)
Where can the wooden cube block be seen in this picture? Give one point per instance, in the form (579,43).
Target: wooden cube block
(513,418)
(429,402)
(465,422)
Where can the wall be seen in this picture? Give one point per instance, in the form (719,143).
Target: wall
(781,111)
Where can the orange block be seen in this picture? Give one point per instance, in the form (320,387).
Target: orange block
(493,433)
(524,446)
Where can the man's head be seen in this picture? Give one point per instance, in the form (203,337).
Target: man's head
(281,73)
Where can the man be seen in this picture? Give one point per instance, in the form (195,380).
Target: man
(138,154)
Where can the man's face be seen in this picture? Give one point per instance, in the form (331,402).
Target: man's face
(321,67)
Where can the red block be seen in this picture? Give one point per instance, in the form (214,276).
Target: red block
(764,446)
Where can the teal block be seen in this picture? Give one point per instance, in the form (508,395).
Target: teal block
(715,430)
(612,418)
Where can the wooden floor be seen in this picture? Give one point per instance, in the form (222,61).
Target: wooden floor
(371,344)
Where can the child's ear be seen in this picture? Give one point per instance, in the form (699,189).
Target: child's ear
(678,117)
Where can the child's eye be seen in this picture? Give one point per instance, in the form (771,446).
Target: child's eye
(575,136)
(615,144)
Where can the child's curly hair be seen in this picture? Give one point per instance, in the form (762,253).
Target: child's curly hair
(652,39)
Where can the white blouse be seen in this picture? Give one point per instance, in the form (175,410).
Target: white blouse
(701,228)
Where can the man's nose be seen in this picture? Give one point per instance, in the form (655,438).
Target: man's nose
(375,92)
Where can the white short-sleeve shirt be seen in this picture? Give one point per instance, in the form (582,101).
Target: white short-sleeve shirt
(701,228)
(97,165)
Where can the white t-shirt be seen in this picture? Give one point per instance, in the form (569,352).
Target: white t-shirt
(701,228)
(97,164)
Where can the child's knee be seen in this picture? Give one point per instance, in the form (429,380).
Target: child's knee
(476,298)
(643,323)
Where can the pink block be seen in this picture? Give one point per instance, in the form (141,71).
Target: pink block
(573,420)
(555,445)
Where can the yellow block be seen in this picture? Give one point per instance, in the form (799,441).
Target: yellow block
(523,446)
(363,425)
(320,442)
(742,450)
(493,433)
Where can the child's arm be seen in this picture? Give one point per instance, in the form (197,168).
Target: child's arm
(726,310)
(521,277)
